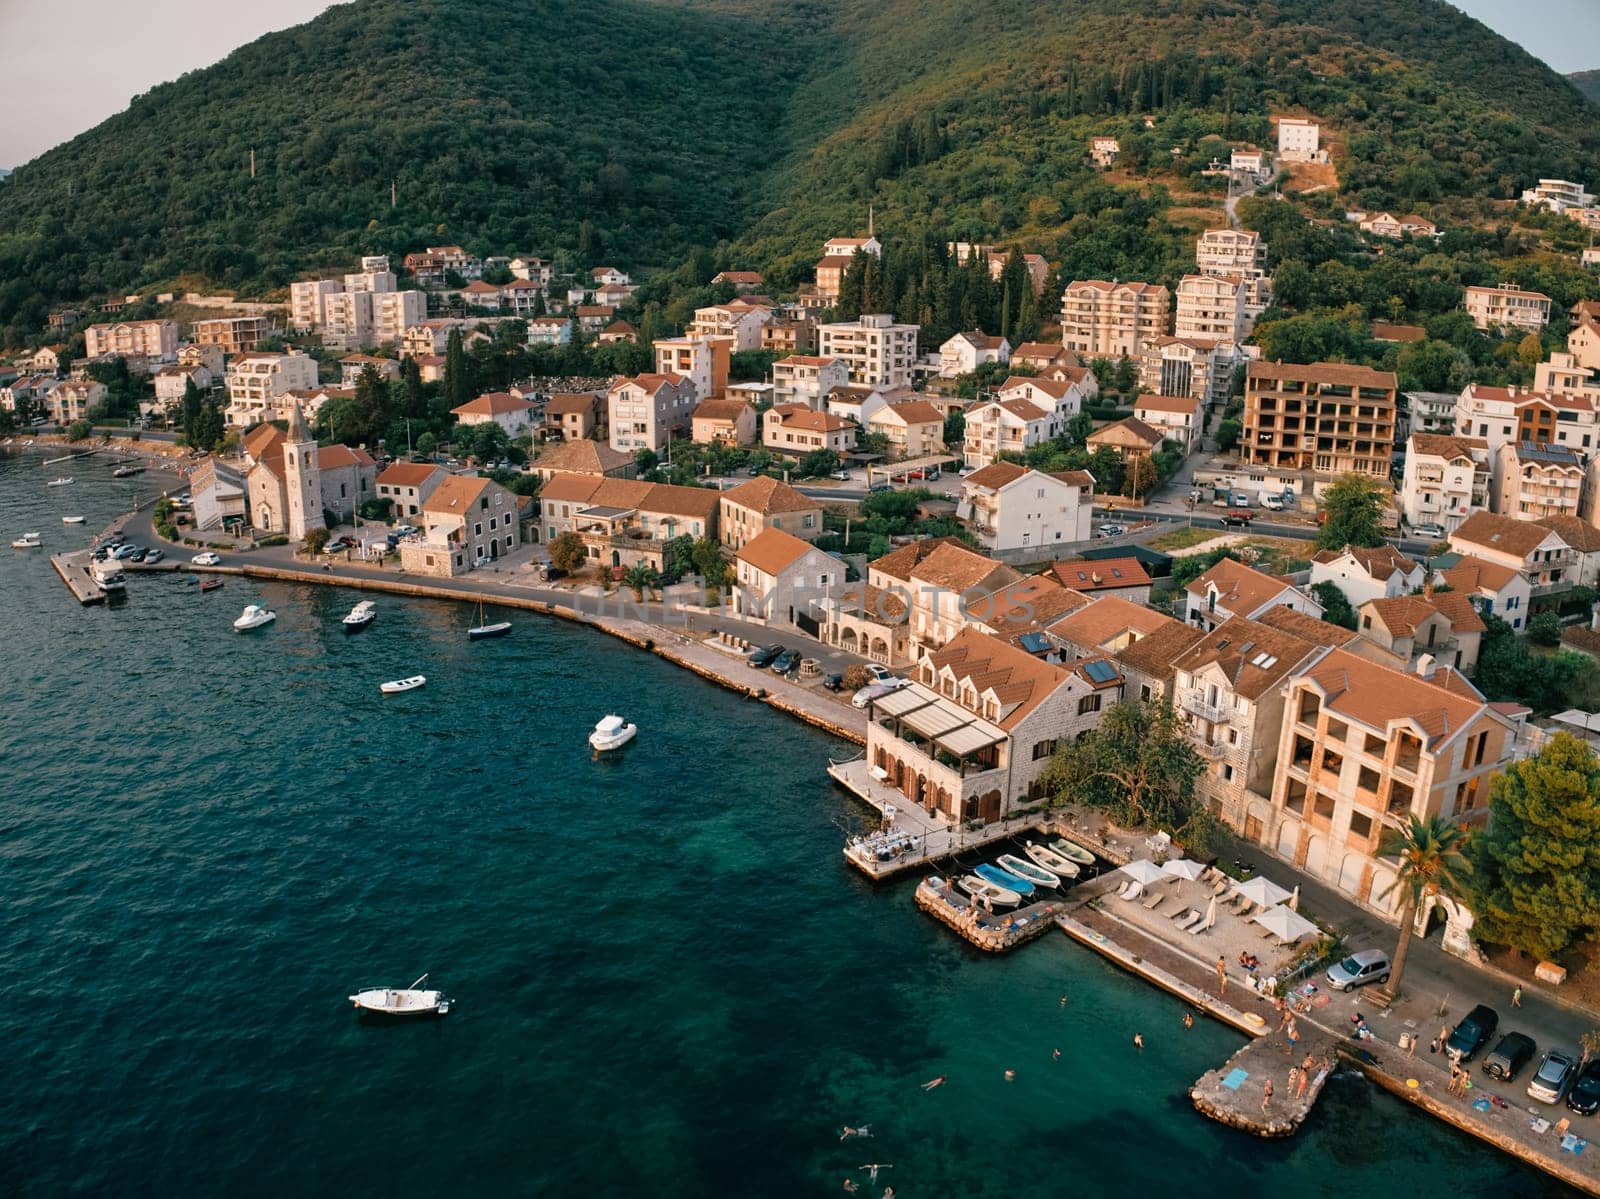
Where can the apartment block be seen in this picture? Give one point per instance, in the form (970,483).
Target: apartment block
(155,340)
(1326,417)
(1112,320)
(1445,479)
(1197,367)
(1507,306)
(258,381)
(647,411)
(1211,307)
(1557,195)
(1299,140)
(876,350)
(234,334)
(1536,479)
(306,300)
(393,312)
(740,322)
(1010,507)
(702,359)
(807,379)
(1230,252)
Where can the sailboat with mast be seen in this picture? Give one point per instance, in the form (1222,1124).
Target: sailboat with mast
(483,629)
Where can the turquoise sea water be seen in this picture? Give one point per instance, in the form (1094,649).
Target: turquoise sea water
(667,980)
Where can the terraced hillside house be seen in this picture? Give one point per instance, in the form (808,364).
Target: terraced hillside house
(750,509)
(738,320)
(1366,747)
(724,422)
(965,352)
(1212,307)
(232,334)
(1008,506)
(973,734)
(1508,307)
(807,379)
(155,340)
(1005,426)
(573,415)
(780,579)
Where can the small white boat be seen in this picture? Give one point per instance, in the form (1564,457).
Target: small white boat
(1037,875)
(253,617)
(28,541)
(360,616)
(612,733)
(399,685)
(1051,860)
(108,574)
(401,1002)
(61,482)
(1072,851)
(72,520)
(982,890)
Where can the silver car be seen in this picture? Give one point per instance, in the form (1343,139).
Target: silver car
(871,692)
(1359,969)
(1549,1081)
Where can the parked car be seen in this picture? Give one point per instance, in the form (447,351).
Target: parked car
(1584,1098)
(1359,969)
(786,661)
(1512,1053)
(124,552)
(1550,1080)
(1473,1033)
(405,530)
(206,558)
(138,554)
(879,673)
(1273,503)
(1111,530)
(1237,520)
(842,475)
(834,682)
(154,555)
(1241,499)
(871,692)
(880,487)
(764,656)
(1428,530)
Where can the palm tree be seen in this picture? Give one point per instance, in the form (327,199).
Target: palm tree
(1431,863)
(640,576)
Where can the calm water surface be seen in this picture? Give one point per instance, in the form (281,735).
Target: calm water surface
(668,983)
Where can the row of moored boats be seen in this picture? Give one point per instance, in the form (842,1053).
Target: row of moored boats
(1010,879)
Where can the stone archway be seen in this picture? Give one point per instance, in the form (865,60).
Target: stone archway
(1458,922)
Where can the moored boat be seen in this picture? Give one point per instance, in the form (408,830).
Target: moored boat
(398,685)
(1003,878)
(401,1002)
(28,541)
(484,629)
(72,520)
(1037,875)
(986,892)
(127,470)
(209,585)
(612,733)
(1051,860)
(1072,851)
(253,617)
(360,616)
(108,574)
(61,482)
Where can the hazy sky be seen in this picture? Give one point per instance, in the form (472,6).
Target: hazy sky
(68,64)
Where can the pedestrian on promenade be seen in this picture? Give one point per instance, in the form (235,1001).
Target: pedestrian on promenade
(1266,1095)
(1294,1034)
(1222,975)
(1516,997)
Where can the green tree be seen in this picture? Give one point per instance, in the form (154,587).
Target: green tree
(315,540)
(459,386)
(709,562)
(1352,505)
(1432,862)
(427,444)
(1228,433)
(1336,607)
(1138,766)
(189,408)
(640,577)
(1536,884)
(816,464)
(567,552)
(78,430)
(207,429)
(1545,629)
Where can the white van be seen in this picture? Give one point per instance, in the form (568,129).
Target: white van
(1273,502)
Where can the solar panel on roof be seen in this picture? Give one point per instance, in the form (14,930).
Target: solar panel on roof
(1100,671)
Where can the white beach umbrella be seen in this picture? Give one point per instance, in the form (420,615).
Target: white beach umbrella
(1211,913)
(1261,891)
(1185,868)
(1145,872)
(1284,924)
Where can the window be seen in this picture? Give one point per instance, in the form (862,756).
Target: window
(1089,703)
(1323,808)
(1043,749)
(1374,745)
(1146,693)
(1360,826)
(1338,730)
(1367,780)
(477,530)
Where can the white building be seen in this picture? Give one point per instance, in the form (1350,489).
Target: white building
(807,379)
(1446,478)
(965,352)
(1299,140)
(875,349)
(306,300)
(1507,306)
(1558,195)
(740,322)
(1177,418)
(1108,319)
(1002,426)
(702,359)
(1230,252)
(1010,507)
(257,381)
(1212,308)
(1367,573)
(511,412)
(782,580)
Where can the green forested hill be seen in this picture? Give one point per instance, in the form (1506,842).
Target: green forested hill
(637,129)
(1587,82)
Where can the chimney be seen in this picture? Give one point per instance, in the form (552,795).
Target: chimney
(1425,665)
(1427,588)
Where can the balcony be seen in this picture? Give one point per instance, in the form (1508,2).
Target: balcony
(1213,751)
(1195,702)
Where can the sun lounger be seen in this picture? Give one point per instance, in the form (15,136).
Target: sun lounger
(1131,891)
(1222,886)
(1187,913)
(1182,905)
(1246,908)
(1203,926)
(1193,920)
(1155,901)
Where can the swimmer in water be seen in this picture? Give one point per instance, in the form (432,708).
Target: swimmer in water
(934,1082)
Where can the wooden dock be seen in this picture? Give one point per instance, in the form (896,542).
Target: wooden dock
(1235,1092)
(74,571)
(991,931)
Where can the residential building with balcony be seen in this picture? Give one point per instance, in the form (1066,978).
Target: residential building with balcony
(830,271)
(1130,437)
(763,503)
(1494,589)
(1299,140)
(1557,195)
(1583,539)
(1540,554)
(701,359)
(573,415)
(347,320)
(234,334)
(1005,426)
(258,381)
(407,485)
(1505,415)
(1212,308)
(393,312)
(1367,572)
(353,366)
(1104,319)
(781,579)
(1178,418)
(789,334)
(872,617)
(1508,306)
(72,399)
(647,411)
(914,428)
(549,331)
(467,522)
(622,522)
(1200,368)
(512,413)
(1232,589)
(1326,418)
(806,379)
(972,736)
(1365,747)
(737,320)
(1010,507)
(966,352)
(155,340)
(1442,625)
(1536,479)
(172,382)
(1430,411)
(724,422)
(1063,398)
(1230,252)
(950,588)
(874,349)
(794,431)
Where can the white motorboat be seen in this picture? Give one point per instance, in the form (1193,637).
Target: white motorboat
(61,482)
(28,541)
(1022,868)
(360,616)
(72,520)
(253,617)
(401,1002)
(108,574)
(984,891)
(1051,860)
(612,733)
(399,685)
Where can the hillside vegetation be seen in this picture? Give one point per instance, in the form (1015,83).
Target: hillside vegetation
(1587,82)
(637,130)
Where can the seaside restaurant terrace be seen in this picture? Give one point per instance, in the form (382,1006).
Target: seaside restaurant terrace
(940,756)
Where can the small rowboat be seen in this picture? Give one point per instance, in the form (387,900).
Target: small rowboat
(981,890)
(1076,853)
(72,520)
(1004,878)
(403,1002)
(28,541)
(1022,868)
(399,685)
(1051,860)
(61,482)
(210,585)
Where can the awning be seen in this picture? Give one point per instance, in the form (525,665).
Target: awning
(937,719)
(970,738)
(907,699)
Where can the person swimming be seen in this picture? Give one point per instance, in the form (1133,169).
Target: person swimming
(933,1082)
(848,1132)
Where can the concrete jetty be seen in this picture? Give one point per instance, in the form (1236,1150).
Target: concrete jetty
(74,571)
(995,932)
(1235,1092)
